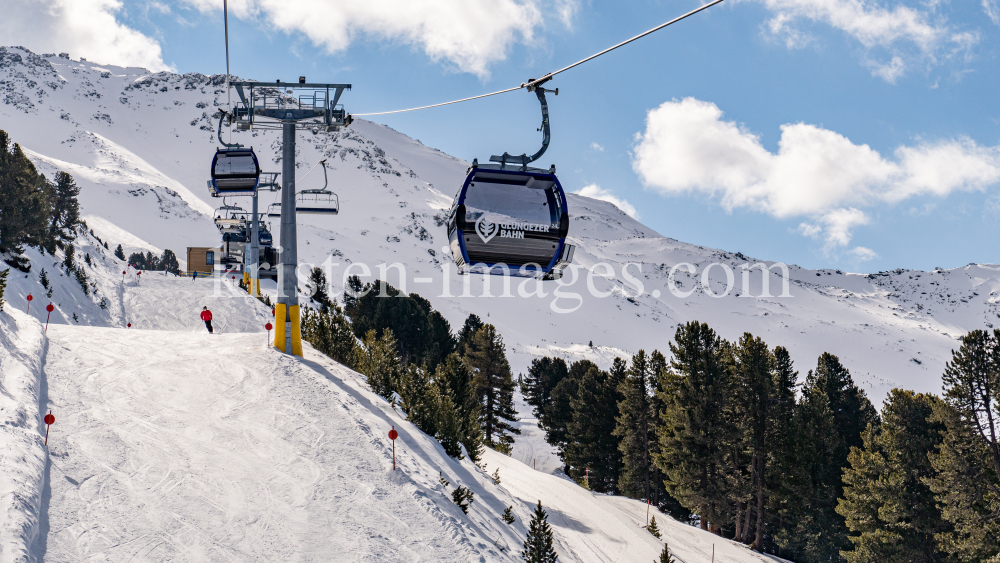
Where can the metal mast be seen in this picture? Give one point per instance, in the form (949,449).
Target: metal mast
(288,337)
(268,105)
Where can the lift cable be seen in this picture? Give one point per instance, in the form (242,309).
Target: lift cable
(229,95)
(538,81)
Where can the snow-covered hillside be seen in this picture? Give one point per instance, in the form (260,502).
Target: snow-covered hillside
(140,144)
(22,454)
(174,445)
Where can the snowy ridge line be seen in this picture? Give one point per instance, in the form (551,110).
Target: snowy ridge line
(23,457)
(891,329)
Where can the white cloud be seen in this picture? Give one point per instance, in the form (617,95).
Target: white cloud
(890,71)
(83,28)
(912,36)
(991,9)
(839,224)
(469,34)
(566,10)
(816,173)
(596,147)
(862,253)
(596,192)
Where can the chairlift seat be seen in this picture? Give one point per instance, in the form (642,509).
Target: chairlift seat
(317,202)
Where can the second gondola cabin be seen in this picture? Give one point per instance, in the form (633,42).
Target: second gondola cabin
(234,172)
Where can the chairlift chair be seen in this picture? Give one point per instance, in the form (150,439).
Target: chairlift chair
(318,202)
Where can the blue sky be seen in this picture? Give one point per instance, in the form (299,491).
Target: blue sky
(852,134)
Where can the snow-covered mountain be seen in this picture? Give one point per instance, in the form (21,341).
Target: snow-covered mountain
(140,144)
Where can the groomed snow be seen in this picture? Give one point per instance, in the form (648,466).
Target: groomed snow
(176,445)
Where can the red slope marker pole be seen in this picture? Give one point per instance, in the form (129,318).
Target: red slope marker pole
(29,298)
(123,276)
(48,308)
(49,421)
(392,436)
(268,326)
(138,277)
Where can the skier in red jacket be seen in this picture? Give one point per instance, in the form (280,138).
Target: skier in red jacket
(206,316)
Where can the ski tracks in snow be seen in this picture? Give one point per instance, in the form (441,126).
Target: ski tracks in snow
(175,446)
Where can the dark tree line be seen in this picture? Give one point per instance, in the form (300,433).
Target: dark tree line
(722,435)
(33,210)
(148,261)
(455,387)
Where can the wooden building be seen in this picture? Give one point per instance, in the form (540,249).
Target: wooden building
(202,259)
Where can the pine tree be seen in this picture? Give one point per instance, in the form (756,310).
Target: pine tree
(330,333)
(538,546)
(835,413)
(967,464)
(543,376)
(378,361)
(852,411)
(168,262)
(25,205)
(463,497)
(812,531)
(450,427)
(496,476)
(592,444)
(886,501)
(696,427)
(318,285)
(81,278)
(69,261)
(65,216)
(43,279)
(558,414)
(495,388)
(636,429)
(756,395)
(420,399)
(653,529)
(3,285)
(508,515)
(466,334)
(120,253)
(441,342)
(784,481)
(665,556)
(459,378)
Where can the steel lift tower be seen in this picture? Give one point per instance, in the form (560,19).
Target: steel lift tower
(288,106)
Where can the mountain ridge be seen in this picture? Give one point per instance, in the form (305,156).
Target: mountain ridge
(139,144)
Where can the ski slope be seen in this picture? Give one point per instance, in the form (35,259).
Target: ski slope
(175,445)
